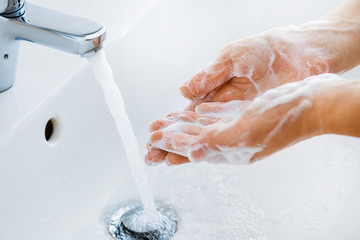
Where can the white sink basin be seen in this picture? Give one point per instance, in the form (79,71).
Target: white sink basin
(67,187)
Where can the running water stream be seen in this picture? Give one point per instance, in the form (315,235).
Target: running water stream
(115,103)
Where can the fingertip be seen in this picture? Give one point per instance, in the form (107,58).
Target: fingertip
(156,155)
(202,108)
(172,114)
(194,88)
(196,154)
(185,91)
(147,160)
(159,124)
(192,105)
(156,136)
(148,146)
(175,159)
(257,157)
(167,161)
(153,125)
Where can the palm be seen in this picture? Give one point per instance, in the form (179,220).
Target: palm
(248,67)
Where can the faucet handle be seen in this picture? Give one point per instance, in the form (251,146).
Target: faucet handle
(12,8)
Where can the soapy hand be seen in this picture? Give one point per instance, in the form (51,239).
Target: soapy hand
(239,132)
(173,136)
(248,67)
(243,131)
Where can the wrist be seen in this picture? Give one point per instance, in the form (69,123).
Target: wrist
(346,43)
(346,18)
(336,109)
(338,41)
(348,10)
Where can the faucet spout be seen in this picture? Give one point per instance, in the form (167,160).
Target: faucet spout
(46,27)
(58,30)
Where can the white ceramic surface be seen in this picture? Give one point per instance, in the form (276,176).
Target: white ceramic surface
(61,189)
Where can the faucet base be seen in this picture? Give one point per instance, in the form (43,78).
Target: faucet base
(9,52)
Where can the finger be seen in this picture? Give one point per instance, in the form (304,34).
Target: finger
(221,107)
(186,128)
(175,159)
(155,155)
(171,141)
(237,88)
(198,152)
(192,117)
(160,124)
(206,149)
(185,116)
(213,76)
(148,146)
(259,156)
(193,104)
(148,161)
(213,107)
(202,153)
(191,129)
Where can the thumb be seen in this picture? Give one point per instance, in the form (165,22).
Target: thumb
(214,75)
(193,104)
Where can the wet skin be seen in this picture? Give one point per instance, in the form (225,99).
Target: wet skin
(247,68)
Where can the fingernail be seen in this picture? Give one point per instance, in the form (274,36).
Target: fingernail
(167,161)
(148,146)
(148,160)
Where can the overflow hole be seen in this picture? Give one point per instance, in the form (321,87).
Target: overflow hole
(6,56)
(50,129)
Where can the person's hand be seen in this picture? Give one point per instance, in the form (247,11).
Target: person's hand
(178,130)
(240,132)
(248,67)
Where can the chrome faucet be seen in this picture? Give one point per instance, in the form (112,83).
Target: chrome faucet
(20,20)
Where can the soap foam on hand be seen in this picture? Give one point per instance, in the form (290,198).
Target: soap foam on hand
(291,91)
(248,67)
(261,55)
(180,136)
(303,90)
(201,145)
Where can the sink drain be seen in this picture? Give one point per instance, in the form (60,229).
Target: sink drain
(128,223)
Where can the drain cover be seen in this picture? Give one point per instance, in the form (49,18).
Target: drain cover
(129,223)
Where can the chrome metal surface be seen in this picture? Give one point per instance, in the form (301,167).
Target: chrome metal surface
(57,30)
(20,20)
(12,8)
